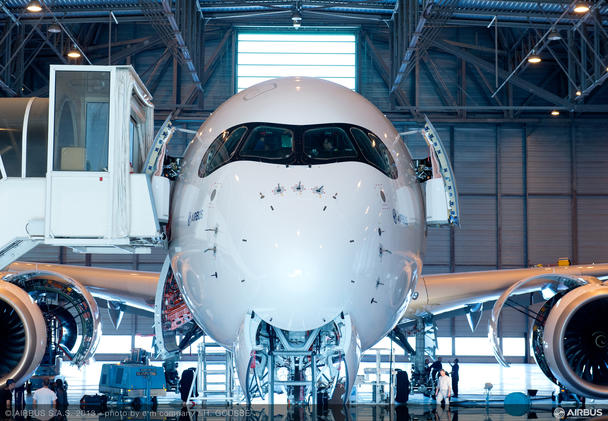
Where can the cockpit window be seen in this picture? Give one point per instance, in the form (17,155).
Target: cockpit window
(268,142)
(298,145)
(375,151)
(221,150)
(328,143)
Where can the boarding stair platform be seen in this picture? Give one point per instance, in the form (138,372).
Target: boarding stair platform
(83,168)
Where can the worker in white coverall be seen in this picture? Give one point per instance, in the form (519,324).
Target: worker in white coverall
(444,388)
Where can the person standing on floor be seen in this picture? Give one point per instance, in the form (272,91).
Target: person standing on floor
(436,367)
(444,388)
(6,397)
(62,396)
(19,392)
(44,396)
(454,375)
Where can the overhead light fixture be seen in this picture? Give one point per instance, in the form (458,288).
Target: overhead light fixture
(296,19)
(34,6)
(554,36)
(54,29)
(74,53)
(581,7)
(534,58)
(578,92)
(554,113)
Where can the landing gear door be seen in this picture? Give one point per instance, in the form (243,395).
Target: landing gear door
(441,193)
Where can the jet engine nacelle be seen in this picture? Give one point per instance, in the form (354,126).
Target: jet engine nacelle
(44,316)
(23,333)
(570,338)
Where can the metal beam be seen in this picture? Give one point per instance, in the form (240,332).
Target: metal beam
(8,13)
(51,45)
(487,85)
(210,67)
(489,67)
(540,44)
(181,45)
(117,44)
(20,47)
(545,82)
(156,66)
(446,96)
(7,88)
(411,49)
(132,50)
(154,80)
(382,69)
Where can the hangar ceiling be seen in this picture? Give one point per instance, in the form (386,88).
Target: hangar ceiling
(452,59)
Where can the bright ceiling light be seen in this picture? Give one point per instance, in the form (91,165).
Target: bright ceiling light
(554,36)
(581,7)
(578,92)
(554,113)
(74,53)
(534,58)
(34,6)
(54,29)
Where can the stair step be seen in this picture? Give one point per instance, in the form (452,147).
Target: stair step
(208,372)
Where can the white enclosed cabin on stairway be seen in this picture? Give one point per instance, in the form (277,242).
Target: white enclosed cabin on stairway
(90,184)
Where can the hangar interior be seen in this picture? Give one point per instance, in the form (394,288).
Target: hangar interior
(527,140)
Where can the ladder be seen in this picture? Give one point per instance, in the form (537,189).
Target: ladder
(215,373)
(382,390)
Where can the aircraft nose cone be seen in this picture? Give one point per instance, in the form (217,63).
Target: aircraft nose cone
(305,246)
(298,248)
(302,242)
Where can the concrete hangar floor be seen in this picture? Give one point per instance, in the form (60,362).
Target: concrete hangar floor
(472,404)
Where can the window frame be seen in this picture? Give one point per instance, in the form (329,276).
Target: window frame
(79,117)
(288,158)
(202,170)
(290,30)
(323,160)
(299,157)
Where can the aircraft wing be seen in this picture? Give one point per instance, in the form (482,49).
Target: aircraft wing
(132,288)
(441,293)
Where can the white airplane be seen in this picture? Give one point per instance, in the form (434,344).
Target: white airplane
(297,235)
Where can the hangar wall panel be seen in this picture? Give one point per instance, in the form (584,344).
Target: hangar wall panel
(430,269)
(549,228)
(444,327)
(438,246)
(591,159)
(513,234)
(475,241)
(592,222)
(511,160)
(548,159)
(475,159)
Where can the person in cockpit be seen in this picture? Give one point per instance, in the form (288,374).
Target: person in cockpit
(327,145)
